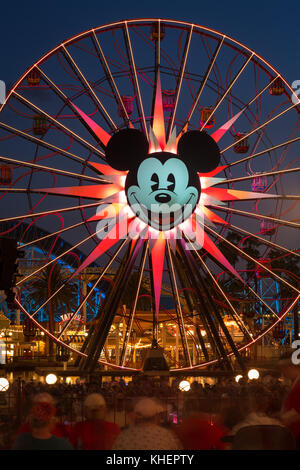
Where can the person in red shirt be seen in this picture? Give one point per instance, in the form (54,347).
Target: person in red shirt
(198,431)
(290,413)
(94,433)
(59,430)
(42,420)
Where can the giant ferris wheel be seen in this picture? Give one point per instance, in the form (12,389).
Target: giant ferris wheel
(158,148)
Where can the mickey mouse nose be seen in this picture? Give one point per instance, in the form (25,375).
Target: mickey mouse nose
(162,197)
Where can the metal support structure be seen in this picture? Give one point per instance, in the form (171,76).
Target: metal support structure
(97,338)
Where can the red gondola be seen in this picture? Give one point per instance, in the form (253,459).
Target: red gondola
(39,125)
(168,99)
(277,87)
(155,32)
(241,146)
(204,115)
(6,175)
(128,105)
(34,78)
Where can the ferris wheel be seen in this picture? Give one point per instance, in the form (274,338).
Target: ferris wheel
(161,150)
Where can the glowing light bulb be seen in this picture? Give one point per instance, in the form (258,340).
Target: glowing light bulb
(253,374)
(238,378)
(51,379)
(184,386)
(4,384)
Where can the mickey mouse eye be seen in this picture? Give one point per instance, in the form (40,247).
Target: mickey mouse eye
(155,180)
(171,181)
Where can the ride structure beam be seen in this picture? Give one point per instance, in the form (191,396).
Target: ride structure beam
(178,309)
(191,270)
(184,270)
(134,306)
(217,315)
(96,340)
(191,302)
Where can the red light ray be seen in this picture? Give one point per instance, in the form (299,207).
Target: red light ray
(214,172)
(234,194)
(107,170)
(119,231)
(107,212)
(97,191)
(158,116)
(100,133)
(158,257)
(218,134)
(203,239)
(153,143)
(210,215)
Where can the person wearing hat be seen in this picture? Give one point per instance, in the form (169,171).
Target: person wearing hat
(94,433)
(42,421)
(146,433)
(59,429)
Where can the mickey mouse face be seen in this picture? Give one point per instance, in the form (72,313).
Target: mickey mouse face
(162,188)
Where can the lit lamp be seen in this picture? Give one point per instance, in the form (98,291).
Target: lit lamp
(238,378)
(184,386)
(51,379)
(4,384)
(253,374)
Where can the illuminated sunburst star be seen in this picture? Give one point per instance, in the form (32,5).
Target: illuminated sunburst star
(143,181)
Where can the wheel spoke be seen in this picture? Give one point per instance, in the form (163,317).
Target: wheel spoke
(96,283)
(264,173)
(245,255)
(47,145)
(133,310)
(110,77)
(266,123)
(180,79)
(257,216)
(88,87)
(235,314)
(227,91)
(135,78)
(54,211)
(202,86)
(36,241)
(178,306)
(58,124)
(263,240)
(258,154)
(54,170)
(59,257)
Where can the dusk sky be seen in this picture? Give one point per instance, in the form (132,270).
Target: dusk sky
(30,29)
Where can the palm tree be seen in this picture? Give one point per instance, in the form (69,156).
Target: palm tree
(64,301)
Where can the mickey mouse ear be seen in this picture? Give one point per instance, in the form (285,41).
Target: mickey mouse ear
(126,148)
(199,150)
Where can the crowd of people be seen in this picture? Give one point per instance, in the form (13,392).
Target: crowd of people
(152,414)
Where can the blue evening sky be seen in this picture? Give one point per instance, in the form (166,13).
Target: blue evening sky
(30,28)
